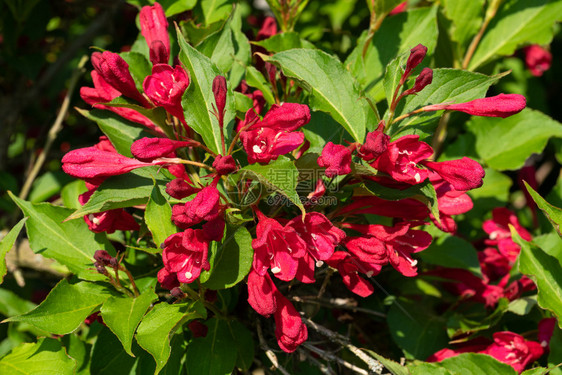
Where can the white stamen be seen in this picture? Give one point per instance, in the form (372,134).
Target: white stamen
(369,274)
(319,263)
(188,275)
(257,149)
(276,269)
(417,177)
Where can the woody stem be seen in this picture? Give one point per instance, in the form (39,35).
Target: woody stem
(491,12)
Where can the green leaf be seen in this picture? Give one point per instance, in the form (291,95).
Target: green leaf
(255,79)
(219,48)
(242,49)
(158,217)
(551,244)
(464,364)
(522,306)
(505,144)
(394,367)
(418,335)
(448,85)
(555,355)
(123,314)
(173,7)
(408,29)
(46,357)
(554,214)
(466,17)
(79,351)
(385,6)
(198,99)
(66,307)
(157,327)
(121,132)
(69,243)
(139,67)
(283,42)
(11,304)
(232,261)
(108,356)
(47,185)
(279,176)
(157,114)
(452,252)
(215,10)
(6,245)
(518,22)
(127,190)
(469,319)
(393,74)
(212,354)
(244,344)
(545,271)
(70,193)
(331,85)
(539,371)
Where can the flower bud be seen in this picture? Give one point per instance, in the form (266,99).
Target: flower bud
(225,164)
(154,27)
(179,188)
(424,79)
(102,257)
(336,159)
(502,105)
(537,59)
(100,268)
(115,71)
(417,54)
(375,144)
(219,90)
(177,293)
(147,149)
(158,53)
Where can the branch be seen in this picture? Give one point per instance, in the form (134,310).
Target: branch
(269,353)
(374,365)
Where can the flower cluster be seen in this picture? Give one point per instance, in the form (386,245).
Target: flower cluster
(288,245)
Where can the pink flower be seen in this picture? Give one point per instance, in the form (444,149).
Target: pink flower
(546,329)
(275,135)
(268,29)
(513,349)
(154,28)
(165,87)
(502,105)
(115,71)
(186,254)
(500,235)
(349,271)
(276,247)
(103,92)
(336,159)
(205,206)
(261,293)
(289,328)
(399,8)
(537,59)
(417,54)
(463,174)
(91,163)
(409,209)
(213,230)
(478,345)
(147,149)
(494,264)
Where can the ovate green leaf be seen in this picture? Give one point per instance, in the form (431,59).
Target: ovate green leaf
(554,214)
(46,357)
(6,245)
(331,85)
(158,217)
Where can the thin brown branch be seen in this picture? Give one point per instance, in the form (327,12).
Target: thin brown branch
(269,353)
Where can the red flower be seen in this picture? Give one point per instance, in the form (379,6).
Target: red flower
(180,188)
(349,271)
(154,28)
(546,329)
(399,8)
(375,144)
(205,206)
(319,234)
(513,349)
(423,79)
(502,105)
(107,221)
(103,92)
(261,293)
(289,328)
(336,159)
(186,254)
(276,247)
(168,280)
(275,135)
(537,59)
(165,87)
(500,235)
(115,71)
(225,164)
(463,174)
(417,54)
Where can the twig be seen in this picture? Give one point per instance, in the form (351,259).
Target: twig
(268,352)
(55,129)
(322,366)
(374,365)
(491,12)
(332,357)
(339,303)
